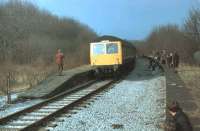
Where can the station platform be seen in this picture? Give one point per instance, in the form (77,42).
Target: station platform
(55,84)
(176,90)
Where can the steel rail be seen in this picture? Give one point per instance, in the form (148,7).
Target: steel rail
(54,106)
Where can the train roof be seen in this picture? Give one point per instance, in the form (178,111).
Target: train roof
(113,38)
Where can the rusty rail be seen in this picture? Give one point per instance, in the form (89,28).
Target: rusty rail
(38,123)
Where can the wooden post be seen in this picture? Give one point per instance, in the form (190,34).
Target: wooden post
(8,89)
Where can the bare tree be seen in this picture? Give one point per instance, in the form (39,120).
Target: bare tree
(192,24)
(28,34)
(169,38)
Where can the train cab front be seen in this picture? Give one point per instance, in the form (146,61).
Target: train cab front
(106,56)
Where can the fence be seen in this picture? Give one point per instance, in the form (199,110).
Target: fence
(19,81)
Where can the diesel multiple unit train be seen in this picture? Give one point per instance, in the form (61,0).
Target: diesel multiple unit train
(110,54)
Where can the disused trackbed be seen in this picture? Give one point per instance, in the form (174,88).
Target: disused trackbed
(33,117)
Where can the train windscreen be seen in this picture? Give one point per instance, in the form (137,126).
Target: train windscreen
(98,49)
(111,48)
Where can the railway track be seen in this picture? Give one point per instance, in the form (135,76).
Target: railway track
(34,117)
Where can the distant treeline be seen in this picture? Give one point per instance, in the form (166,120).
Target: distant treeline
(185,39)
(29,35)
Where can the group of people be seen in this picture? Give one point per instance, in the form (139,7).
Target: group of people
(170,59)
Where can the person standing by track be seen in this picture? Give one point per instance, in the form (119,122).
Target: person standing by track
(60,61)
(171,57)
(176,60)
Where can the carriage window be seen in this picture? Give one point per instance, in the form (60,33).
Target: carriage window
(98,49)
(111,48)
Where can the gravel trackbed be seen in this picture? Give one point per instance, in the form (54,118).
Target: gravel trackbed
(135,104)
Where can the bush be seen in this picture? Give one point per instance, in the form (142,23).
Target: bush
(196,56)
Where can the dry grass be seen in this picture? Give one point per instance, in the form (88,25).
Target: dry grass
(22,77)
(27,76)
(190,75)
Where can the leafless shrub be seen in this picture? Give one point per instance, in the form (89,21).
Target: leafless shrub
(28,34)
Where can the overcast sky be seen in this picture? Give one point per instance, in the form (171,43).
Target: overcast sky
(129,19)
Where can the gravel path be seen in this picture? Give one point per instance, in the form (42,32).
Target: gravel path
(135,104)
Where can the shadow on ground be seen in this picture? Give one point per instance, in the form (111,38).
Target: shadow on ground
(142,72)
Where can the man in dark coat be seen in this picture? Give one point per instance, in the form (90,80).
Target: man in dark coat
(176,59)
(181,120)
